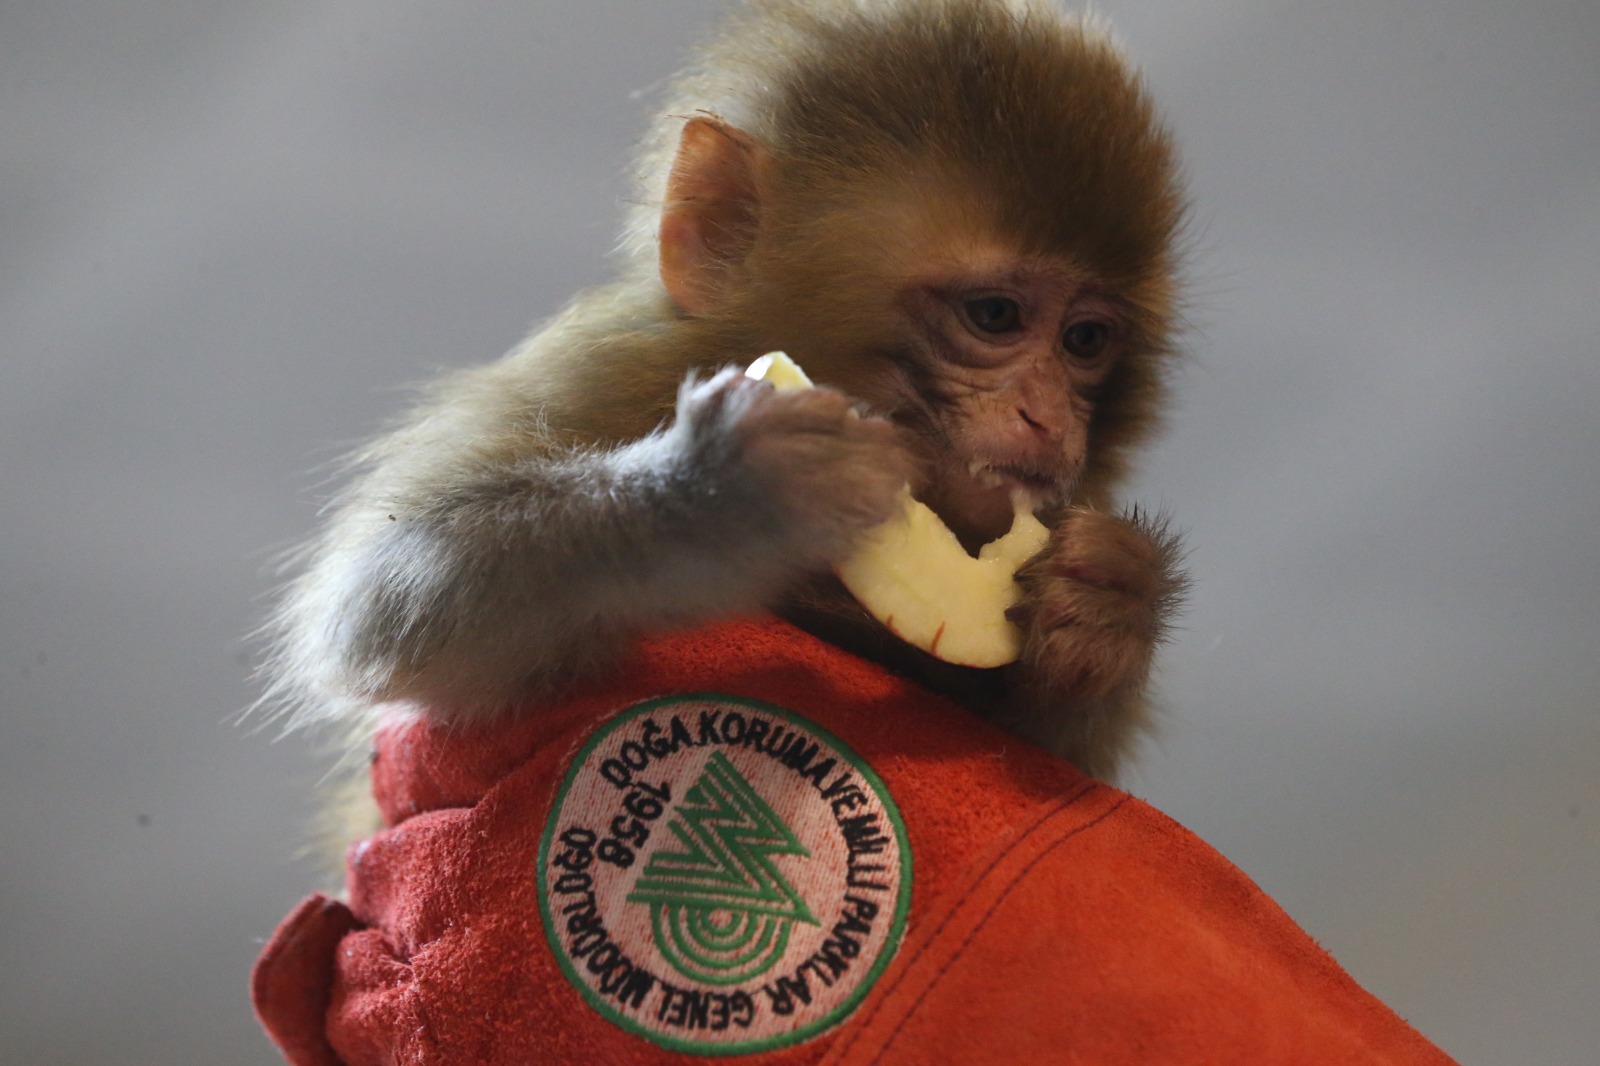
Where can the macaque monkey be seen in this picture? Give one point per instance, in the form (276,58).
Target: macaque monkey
(958,216)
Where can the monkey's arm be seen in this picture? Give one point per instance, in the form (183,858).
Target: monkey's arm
(1097,602)
(494,576)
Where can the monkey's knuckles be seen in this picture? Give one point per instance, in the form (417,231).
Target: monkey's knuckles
(831,473)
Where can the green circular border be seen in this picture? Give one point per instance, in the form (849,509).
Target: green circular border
(891,943)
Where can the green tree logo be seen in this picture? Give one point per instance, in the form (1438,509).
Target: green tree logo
(720,911)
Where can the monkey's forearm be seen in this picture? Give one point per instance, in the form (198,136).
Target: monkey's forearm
(532,575)
(496,581)
(1100,601)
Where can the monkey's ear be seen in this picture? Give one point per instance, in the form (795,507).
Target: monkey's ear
(712,212)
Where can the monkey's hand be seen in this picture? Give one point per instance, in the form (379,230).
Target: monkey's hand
(816,474)
(1096,603)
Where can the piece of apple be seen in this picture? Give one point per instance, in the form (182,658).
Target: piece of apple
(912,574)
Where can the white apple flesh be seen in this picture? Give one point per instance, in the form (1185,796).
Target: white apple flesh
(912,574)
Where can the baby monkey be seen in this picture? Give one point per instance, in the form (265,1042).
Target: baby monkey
(958,216)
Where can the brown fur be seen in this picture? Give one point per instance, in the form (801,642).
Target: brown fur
(810,172)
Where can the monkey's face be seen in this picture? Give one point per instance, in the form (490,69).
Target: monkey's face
(1005,364)
(997,364)
(1006,360)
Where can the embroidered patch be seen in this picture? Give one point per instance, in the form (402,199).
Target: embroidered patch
(722,876)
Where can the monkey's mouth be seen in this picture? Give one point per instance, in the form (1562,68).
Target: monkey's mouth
(978,501)
(1035,486)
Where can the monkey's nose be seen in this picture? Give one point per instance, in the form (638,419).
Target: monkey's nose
(1039,426)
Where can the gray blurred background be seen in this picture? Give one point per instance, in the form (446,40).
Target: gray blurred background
(230,232)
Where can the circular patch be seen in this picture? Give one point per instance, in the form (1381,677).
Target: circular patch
(722,876)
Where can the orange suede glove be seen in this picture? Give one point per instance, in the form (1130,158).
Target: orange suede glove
(751,843)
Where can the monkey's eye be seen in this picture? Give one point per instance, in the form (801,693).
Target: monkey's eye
(993,314)
(1086,340)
